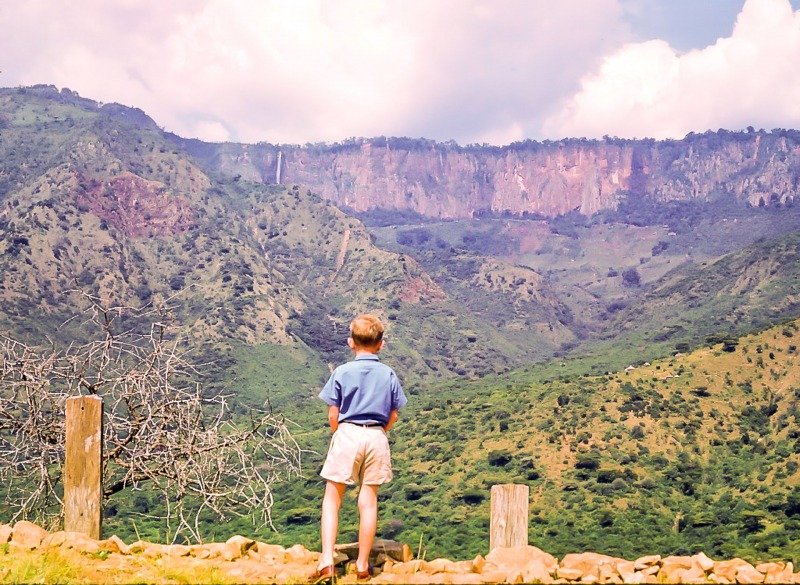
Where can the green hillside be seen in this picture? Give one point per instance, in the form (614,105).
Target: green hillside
(118,210)
(696,452)
(511,335)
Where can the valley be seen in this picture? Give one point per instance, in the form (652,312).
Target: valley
(623,339)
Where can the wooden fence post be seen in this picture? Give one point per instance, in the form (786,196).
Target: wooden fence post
(83,486)
(509,516)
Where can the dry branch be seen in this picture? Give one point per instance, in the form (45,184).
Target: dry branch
(161,428)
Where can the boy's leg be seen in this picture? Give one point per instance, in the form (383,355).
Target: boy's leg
(368,512)
(329,527)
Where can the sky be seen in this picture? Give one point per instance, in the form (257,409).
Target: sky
(472,71)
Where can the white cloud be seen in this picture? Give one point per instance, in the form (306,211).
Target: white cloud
(316,70)
(649,89)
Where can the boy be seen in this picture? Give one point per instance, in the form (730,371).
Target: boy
(363,397)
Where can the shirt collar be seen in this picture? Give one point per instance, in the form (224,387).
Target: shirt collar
(367,356)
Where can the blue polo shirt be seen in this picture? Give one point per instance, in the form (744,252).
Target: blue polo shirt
(365,390)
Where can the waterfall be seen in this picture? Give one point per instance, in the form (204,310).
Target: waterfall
(278,169)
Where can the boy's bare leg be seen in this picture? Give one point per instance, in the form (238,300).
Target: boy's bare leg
(329,525)
(368,511)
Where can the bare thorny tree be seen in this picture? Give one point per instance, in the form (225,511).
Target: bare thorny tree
(161,429)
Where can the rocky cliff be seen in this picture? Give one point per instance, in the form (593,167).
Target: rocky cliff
(548,179)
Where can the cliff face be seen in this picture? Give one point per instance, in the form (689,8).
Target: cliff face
(552,178)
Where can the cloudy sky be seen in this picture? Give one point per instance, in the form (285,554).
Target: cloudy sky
(473,71)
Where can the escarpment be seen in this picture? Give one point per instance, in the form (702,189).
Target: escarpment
(447,181)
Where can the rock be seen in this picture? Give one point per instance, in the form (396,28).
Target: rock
(270,551)
(176,550)
(259,562)
(230,551)
(607,573)
(646,562)
(139,547)
(636,578)
(464,579)
(492,574)
(206,551)
(770,570)
(677,562)
(71,540)
(537,571)
(154,551)
(693,575)
(748,574)
(409,568)
(728,569)
(253,572)
(702,561)
(674,568)
(785,575)
(5,533)
(767,568)
(27,535)
(236,546)
(380,552)
(512,560)
(57,539)
(589,564)
(569,574)
(442,566)
(115,544)
(651,571)
(299,554)
(478,563)
(426,579)
(626,570)
(463,567)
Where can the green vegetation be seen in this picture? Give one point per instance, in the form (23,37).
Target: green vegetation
(681,455)
(512,335)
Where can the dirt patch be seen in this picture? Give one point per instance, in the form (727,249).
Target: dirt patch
(135,206)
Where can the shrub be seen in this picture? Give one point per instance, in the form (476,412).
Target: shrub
(631,278)
(413,492)
(648,483)
(391,527)
(301,515)
(590,461)
(500,457)
(473,496)
(607,475)
(619,484)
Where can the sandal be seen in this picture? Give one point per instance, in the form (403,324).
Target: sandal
(365,575)
(323,575)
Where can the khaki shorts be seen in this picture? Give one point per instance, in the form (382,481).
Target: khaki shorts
(358,455)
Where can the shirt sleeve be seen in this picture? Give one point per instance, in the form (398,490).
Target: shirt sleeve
(399,399)
(331,393)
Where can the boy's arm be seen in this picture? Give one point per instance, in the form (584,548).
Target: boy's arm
(392,420)
(333,417)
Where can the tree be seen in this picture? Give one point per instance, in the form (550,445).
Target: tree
(162,430)
(630,277)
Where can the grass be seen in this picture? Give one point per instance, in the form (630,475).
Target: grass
(51,567)
(71,567)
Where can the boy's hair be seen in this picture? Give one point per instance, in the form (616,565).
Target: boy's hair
(366,331)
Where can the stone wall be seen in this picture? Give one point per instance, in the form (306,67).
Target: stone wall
(248,561)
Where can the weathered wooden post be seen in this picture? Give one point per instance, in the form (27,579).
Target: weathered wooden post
(83,491)
(509,516)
